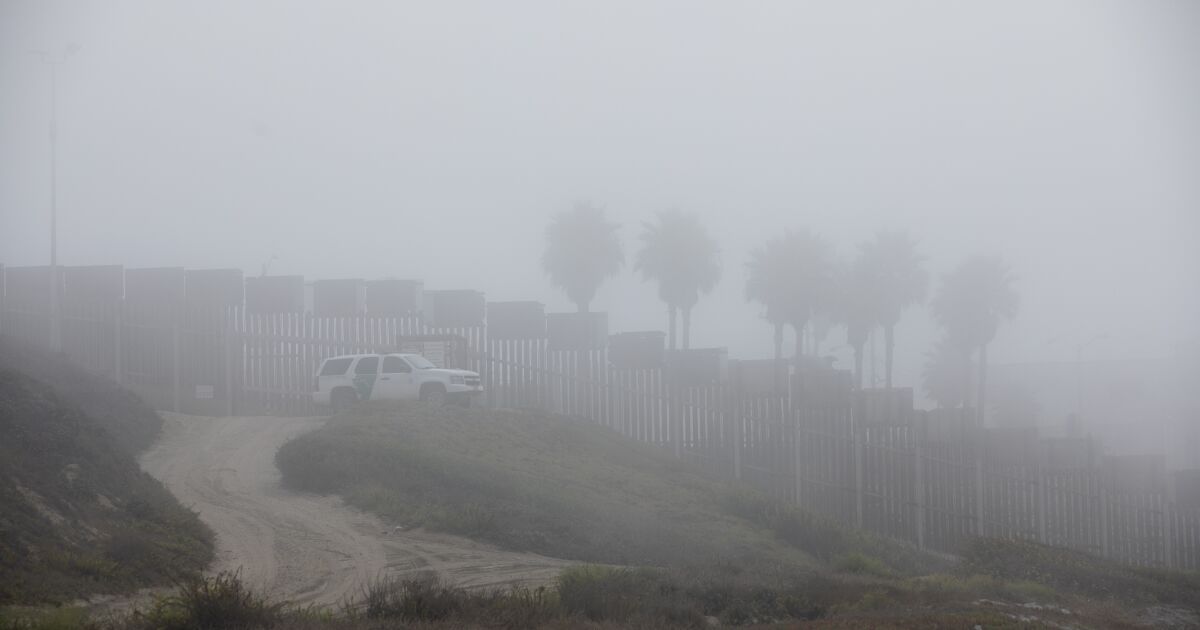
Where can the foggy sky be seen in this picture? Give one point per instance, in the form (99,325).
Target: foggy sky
(434,140)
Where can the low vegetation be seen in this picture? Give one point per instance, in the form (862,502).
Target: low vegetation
(1064,570)
(578,488)
(77,514)
(601,596)
(132,424)
(530,481)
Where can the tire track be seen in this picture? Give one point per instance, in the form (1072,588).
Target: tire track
(303,548)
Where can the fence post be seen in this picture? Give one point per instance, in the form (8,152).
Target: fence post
(919,485)
(858,477)
(1041,506)
(1105,523)
(117,343)
(733,414)
(978,481)
(794,431)
(1166,531)
(175,364)
(674,412)
(228,369)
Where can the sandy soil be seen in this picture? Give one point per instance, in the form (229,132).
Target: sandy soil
(305,548)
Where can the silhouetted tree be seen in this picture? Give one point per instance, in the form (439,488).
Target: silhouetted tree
(679,254)
(947,374)
(894,266)
(855,308)
(766,284)
(582,249)
(970,304)
(793,277)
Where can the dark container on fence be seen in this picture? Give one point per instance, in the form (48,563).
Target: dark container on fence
(756,377)
(461,308)
(637,350)
(392,297)
(339,298)
(155,293)
(516,320)
(698,366)
(577,331)
(882,407)
(97,284)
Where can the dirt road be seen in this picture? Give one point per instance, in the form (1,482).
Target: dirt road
(299,547)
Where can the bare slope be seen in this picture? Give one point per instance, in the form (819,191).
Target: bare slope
(300,547)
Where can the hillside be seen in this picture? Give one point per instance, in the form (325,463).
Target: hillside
(132,424)
(571,489)
(77,514)
(553,485)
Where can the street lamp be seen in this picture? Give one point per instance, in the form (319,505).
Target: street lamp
(53,60)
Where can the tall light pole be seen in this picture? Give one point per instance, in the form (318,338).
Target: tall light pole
(55,317)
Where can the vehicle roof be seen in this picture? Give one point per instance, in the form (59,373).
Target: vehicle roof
(374,354)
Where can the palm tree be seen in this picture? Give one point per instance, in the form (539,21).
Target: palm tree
(679,253)
(792,276)
(947,374)
(855,309)
(582,249)
(892,262)
(970,304)
(766,285)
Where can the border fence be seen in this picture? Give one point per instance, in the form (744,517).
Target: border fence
(210,342)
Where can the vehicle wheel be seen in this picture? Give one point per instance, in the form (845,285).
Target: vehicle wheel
(434,394)
(342,398)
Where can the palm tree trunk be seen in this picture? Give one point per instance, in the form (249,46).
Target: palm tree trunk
(858,364)
(583,306)
(968,380)
(671,326)
(686,315)
(799,326)
(778,371)
(889,344)
(982,385)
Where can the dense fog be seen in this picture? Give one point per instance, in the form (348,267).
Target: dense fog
(437,141)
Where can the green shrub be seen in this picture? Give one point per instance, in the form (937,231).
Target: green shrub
(222,601)
(862,564)
(428,599)
(67,618)
(1066,570)
(413,599)
(826,539)
(602,593)
(472,519)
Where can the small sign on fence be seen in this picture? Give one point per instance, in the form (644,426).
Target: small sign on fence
(204,392)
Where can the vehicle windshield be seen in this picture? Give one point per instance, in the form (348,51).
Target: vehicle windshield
(420,362)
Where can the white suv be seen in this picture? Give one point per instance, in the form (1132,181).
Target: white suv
(341,381)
